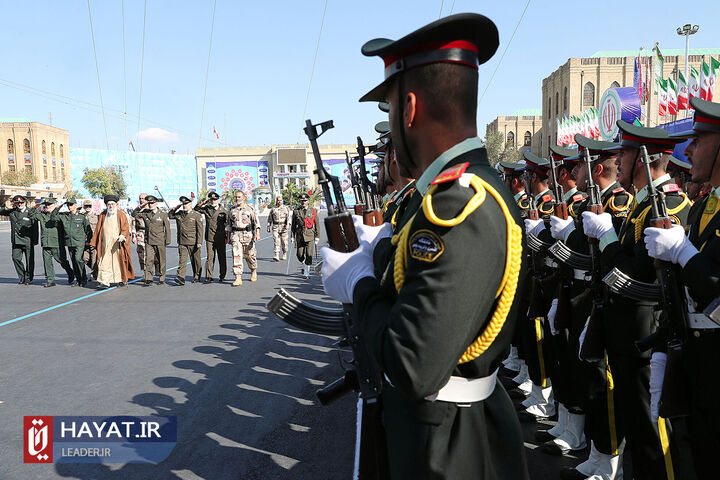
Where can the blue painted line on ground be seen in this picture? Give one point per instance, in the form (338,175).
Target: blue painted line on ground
(69,302)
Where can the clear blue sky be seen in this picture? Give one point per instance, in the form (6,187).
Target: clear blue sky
(262,56)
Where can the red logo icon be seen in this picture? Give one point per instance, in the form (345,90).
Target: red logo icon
(37,439)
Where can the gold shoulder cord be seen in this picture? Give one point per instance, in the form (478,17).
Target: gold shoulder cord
(513,260)
(640,221)
(611,203)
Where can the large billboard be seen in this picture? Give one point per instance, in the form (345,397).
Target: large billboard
(236,175)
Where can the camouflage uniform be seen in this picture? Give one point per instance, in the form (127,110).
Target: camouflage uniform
(90,254)
(279,218)
(242,225)
(140,238)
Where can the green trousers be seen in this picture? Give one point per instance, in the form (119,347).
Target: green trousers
(27,271)
(77,263)
(192,251)
(155,259)
(57,254)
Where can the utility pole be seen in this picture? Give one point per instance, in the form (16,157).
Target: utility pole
(685,31)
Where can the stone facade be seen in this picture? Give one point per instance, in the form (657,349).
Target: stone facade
(522,130)
(44,149)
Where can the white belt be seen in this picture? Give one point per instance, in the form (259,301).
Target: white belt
(465,390)
(579,274)
(549,262)
(700,321)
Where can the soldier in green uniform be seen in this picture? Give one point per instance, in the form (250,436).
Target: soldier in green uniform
(627,321)
(157,237)
(432,322)
(77,234)
(23,232)
(698,257)
(51,238)
(512,176)
(593,387)
(216,217)
(305,230)
(189,239)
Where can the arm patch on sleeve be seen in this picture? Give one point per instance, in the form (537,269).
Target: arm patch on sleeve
(426,246)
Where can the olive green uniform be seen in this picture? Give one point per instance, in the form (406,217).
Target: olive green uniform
(189,236)
(416,333)
(305,230)
(157,237)
(215,224)
(77,233)
(23,238)
(53,247)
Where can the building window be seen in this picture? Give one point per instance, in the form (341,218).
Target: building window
(615,85)
(588,95)
(45,172)
(43,147)
(11,147)
(11,168)
(565,99)
(62,153)
(528,139)
(303,168)
(510,142)
(62,174)
(549,106)
(54,174)
(292,168)
(557,103)
(52,149)
(26,146)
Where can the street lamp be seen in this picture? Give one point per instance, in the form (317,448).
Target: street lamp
(687,30)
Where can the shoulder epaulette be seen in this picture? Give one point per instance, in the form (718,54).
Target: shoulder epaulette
(671,187)
(451,174)
(577,198)
(547,198)
(618,190)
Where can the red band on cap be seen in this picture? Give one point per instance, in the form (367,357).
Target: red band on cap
(426,47)
(701,119)
(646,141)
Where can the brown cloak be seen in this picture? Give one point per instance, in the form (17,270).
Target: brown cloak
(126,267)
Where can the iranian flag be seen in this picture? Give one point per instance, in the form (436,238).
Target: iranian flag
(711,79)
(596,123)
(694,87)
(662,97)
(704,80)
(682,98)
(672,98)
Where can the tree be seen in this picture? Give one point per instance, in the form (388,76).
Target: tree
(291,195)
(497,150)
(104,181)
(202,194)
(228,196)
(21,178)
(72,194)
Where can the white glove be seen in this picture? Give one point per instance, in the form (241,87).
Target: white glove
(121,238)
(657,375)
(551,316)
(317,241)
(670,245)
(595,225)
(341,271)
(559,228)
(533,227)
(370,234)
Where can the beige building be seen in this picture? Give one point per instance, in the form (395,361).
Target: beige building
(580,83)
(522,130)
(265,170)
(42,149)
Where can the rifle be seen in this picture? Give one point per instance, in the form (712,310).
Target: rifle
(563,312)
(357,189)
(162,198)
(372,214)
(363,375)
(592,348)
(561,209)
(674,399)
(536,249)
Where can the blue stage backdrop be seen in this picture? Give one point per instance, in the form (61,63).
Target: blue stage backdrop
(174,175)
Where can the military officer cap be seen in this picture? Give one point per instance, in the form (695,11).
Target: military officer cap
(509,169)
(564,156)
(655,140)
(115,198)
(597,149)
(18,198)
(87,203)
(705,120)
(185,200)
(383,128)
(679,165)
(213,196)
(467,39)
(535,164)
(385,107)
(70,200)
(151,199)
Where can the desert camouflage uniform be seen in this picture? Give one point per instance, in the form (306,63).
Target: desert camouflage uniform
(242,226)
(279,218)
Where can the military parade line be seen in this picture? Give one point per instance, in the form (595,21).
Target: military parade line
(582,288)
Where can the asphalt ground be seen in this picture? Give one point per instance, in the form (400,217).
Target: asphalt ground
(241,382)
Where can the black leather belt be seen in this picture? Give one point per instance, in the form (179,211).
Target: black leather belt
(243,229)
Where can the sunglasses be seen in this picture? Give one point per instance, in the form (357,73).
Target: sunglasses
(87,206)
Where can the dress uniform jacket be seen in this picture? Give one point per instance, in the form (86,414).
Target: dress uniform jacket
(189,227)
(301,218)
(76,228)
(22,226)
(215,223)
(51,229)
(394,203)
(157,226)
(418,334)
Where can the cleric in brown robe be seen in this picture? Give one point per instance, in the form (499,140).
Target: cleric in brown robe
(113,262)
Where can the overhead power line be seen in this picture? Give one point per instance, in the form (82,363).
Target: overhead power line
(97,70)
(504,52)
(142,67)
(207,72)
(442,2)
(122,12)
(312,71)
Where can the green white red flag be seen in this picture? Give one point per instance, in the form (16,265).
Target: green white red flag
(682,93)
(708,78)
(694,86)
(672,98)
(662,97)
